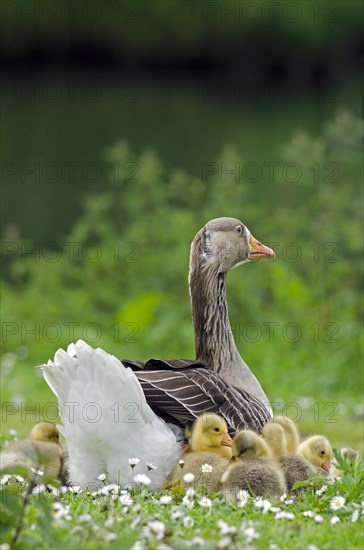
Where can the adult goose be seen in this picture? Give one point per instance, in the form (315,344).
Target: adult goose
(106,415)
(219,380)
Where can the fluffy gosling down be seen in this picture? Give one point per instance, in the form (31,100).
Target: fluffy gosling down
(275,438)
(41,451)
(295,468)
(317,451)
(253,469)
(291,432)
(210,444)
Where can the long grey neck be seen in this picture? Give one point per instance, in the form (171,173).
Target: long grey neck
(214,341)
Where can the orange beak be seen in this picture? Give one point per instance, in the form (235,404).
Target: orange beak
(259,250)
(326,465)
(226,440)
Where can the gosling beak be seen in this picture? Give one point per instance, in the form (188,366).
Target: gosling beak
(226,440)
(259,250)
(326,465)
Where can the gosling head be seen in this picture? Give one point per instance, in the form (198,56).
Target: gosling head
(248,444)
(318,451)
(210,433)
(224,243)
(45,431)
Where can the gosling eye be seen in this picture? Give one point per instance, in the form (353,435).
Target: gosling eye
(216,429)
(238,229)
(322,453)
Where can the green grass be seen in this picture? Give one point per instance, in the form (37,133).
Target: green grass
(54,518)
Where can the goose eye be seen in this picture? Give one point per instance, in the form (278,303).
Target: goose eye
(238,229)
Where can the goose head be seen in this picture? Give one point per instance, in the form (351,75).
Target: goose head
(225,243)
(248,444)
(210,433)
(45,431)
(317,451)
(222,244)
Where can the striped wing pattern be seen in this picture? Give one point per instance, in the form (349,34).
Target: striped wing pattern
(185,389)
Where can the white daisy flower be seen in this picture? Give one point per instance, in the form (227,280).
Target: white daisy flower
(198,541)
(142,479)
(318,518)
(84,518)
(37,471)
(101,477)
(337,502)
(264,504)
(113,488)
(188,521)
(5,479)
(109,522)
(308,514)
(286,500)
(60,510)
(12,432)
(284,515)
(321,491)
(110,536)
(176,514)
(251,534)
(206,468)
(157,528)
(189,477)
(190,492)
(165,499)
(334,519)
(181,462)
(151,466)
(133,461)
(54,490)
(243,495)
(187,502)
(224,528)
(205,502)
(41,488)
(225,542)
(241,503)
(20,479)
(355,516)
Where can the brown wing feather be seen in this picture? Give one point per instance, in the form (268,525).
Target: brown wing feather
(186,393)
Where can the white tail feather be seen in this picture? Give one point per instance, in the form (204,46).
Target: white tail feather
(106,418)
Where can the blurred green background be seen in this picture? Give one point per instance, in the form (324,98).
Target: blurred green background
(127,126)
